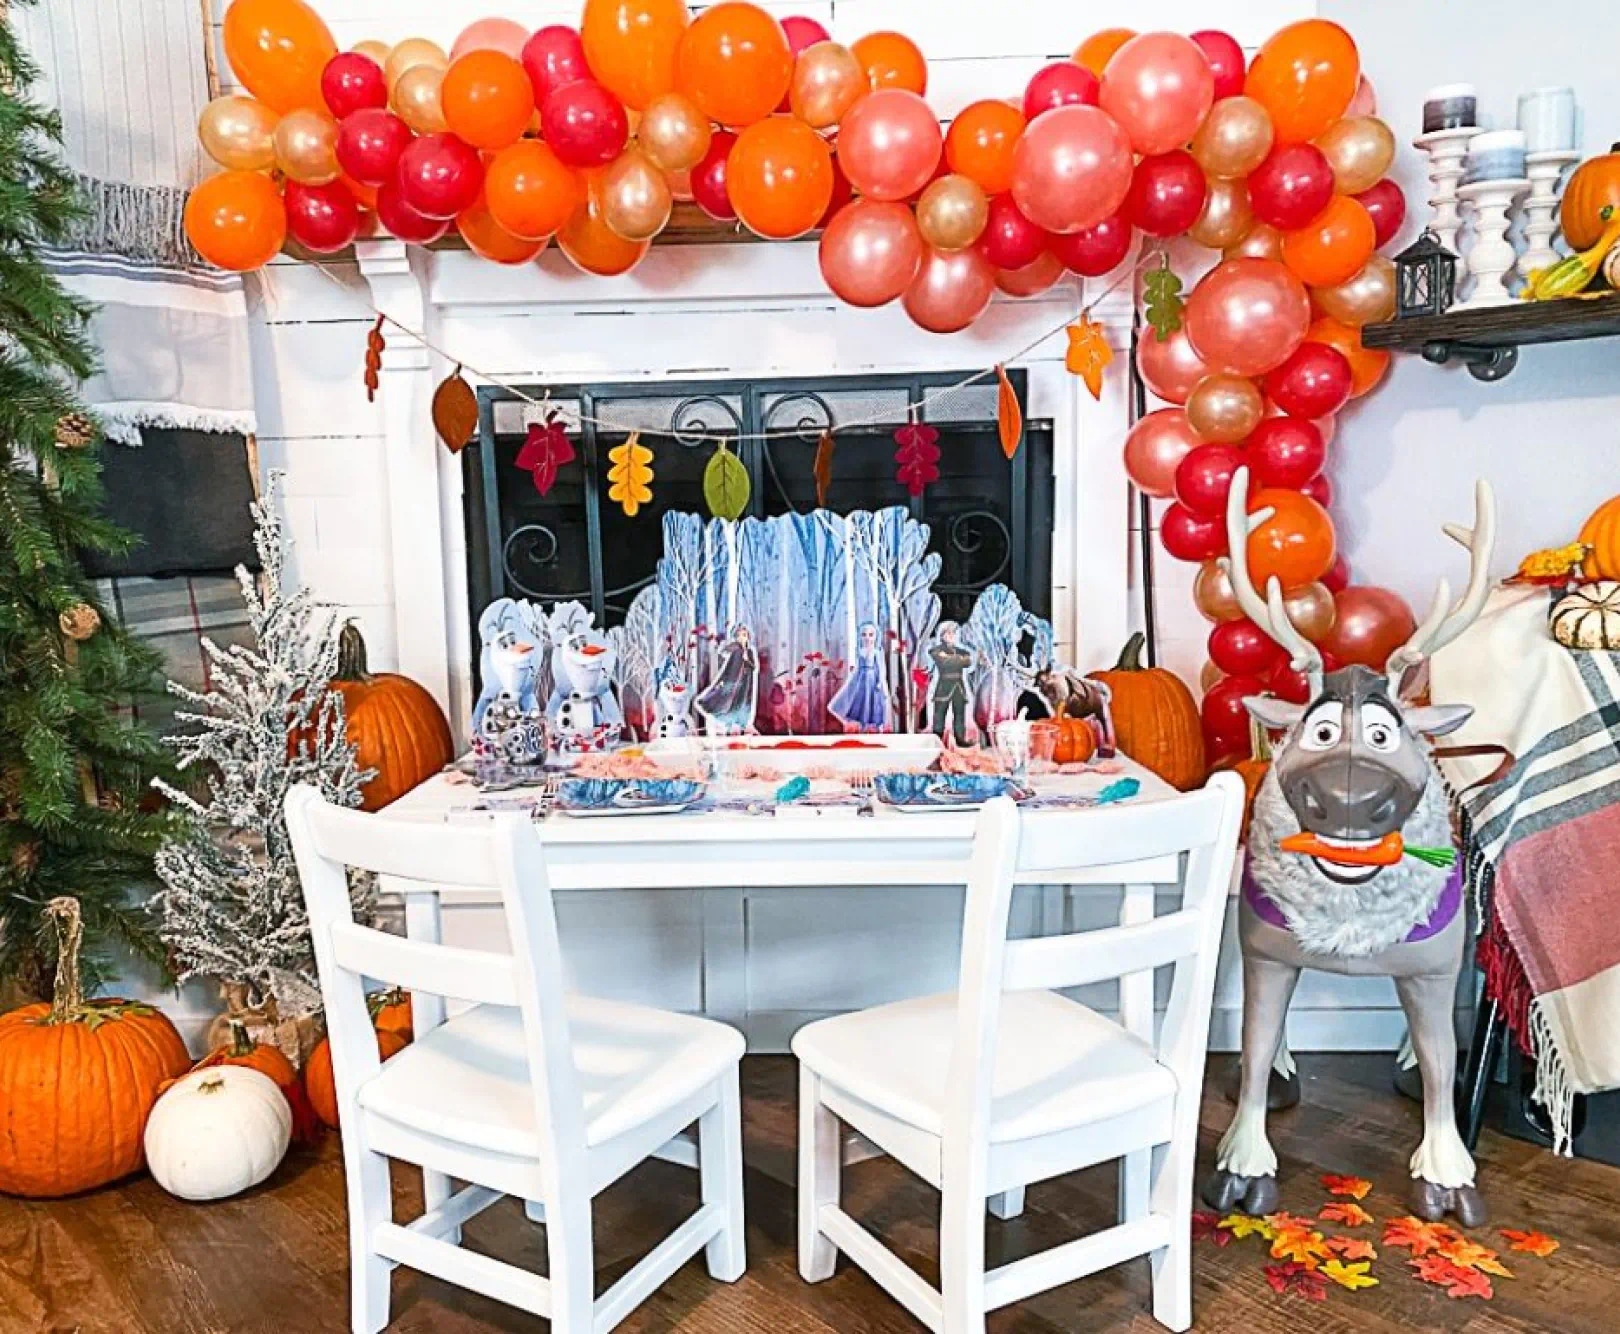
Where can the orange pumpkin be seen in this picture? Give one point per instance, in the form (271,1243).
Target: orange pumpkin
(1591,199)
(1076,741)
(397,728)
(1252,769)
(391,1013)
(1601,533)
(1156,718)
(78,1079)
(318,1083)
(260,1056)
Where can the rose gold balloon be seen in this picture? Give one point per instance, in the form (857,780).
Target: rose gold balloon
(1169,367)
(889,144)
(870,251)
(1310,607)
(1213,595)
(1155,448)
(1368,298)
(1247,316)
(634,196)
(827,80)
(411,52)
(1034,278)
(1370,625)
(952,212)
(1261,241)
(951,289)
(373,50)
(1224,409)
(237,132)
(306,147)
(415,99)
(1365,102)
(1226,216)
(1234,138)
(680,185)
(1360,150)
(674,133)
(491,34)
(1208,675)
(1071,168)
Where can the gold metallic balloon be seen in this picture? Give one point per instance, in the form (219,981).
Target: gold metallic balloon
(1261,241)
(952,212)
(1360,150)
(1234,138)
(1226,216)
(680,185)
(1310,607)
(1208,675)
(306,147)
(1368,298)
(1213,595)
(634,196)
(238,133)
(1224,408)
(827,80)
(415,99)
(674,133)
(411,52)
(372,50)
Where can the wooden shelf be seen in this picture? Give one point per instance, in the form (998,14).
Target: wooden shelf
(1488,339)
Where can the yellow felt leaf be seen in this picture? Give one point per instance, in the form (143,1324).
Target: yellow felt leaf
(631,475)
(1089,354)
(1242,1225)
(1353,1277)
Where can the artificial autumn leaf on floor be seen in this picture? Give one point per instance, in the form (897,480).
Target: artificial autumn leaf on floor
(1089,354)
(546,447)
(1346,1212)
(1306,1248)
(1355,1187)
(1242,1225)
(1009,416)
(1531,1243)
(1284,1222)
(1352,1248)
(1471,1255)
(917,458)
(374,351)
(630,477)
(455,411)
(1207,1227)
(1162,302)
(1296,1279)
(1418,1236)
(1353,1277)
(821,469)
(1457,1280)
(726,485)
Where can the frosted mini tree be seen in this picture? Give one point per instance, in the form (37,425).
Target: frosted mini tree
(231,906)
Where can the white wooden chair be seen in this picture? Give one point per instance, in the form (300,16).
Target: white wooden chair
(529,1093)
(1005,1082)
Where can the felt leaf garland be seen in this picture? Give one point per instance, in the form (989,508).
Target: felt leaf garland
(1089,354)
(726,485)
(374,351)
(631,474)
(1532,1243)
(455,411)
(1009,416)
(821,470)
(1162,300)
(917,458)
(1355,1187)
(546,447)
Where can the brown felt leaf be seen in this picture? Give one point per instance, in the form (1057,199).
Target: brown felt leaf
(374,351)
(822,468)
(455,411)
(1009,416)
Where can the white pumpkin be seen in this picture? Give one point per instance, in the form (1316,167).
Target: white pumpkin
(1589,616)
(217,1132)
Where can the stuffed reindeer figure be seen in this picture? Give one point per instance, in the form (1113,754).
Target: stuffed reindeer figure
(1350,870)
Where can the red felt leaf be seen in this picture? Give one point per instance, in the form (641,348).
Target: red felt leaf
(917,458)
(546,447)
(1298,1280)
(1457,1280)
(821,470)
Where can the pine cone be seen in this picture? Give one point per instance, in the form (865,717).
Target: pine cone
(24,858)
(80,622)
(74,431)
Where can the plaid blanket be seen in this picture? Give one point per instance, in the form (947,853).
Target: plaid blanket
(1542,843)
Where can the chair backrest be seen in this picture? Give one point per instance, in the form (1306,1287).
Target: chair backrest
(504,856)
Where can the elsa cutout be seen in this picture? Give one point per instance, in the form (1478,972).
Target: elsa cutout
(862,702)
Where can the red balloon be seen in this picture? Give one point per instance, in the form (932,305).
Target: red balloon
(802,32)
(1225,58)
(1058,85)
(1204,477)
(1167,193)
(369,143)
(842,191)
(1313,382)
(585,124)
(1009,239)
(1284,682)
(403,220)
(352,82)
(1337,579)
(1094,251)
(1386,206)
(552,58)
(322,218)
(1189,536)
(1319,489)
(1291,186)
(1226,721)
(439,175)
(1242,648)
(709,178)
(1285,451)
(1369,624)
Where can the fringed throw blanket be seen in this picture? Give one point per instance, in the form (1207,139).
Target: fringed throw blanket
(1542,843)
(129,80)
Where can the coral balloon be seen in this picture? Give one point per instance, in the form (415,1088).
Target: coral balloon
(1155,448)
(1226,216)
(1366,298)
(369,143)
(236,220)
(322,218)
(1225,408)
(950,291)
(306,147)
(1234,138)
(485,237)
(1033,278)
(417,98)
(1225,718)
(1204,477)
(410,53)
(238,133)
(1313,382)
(1295,544)
(1167,194)
(1305,76)
(1186,536)
(780,177)
(585,124)
(735,63)
(892,60)
(1386,206)
(633,46)
(1367,364)
(1241,648)
(529,191)
(1213,594)
(1369,624)
(1094,251)
(553,57)
(870,251)
(1365,102)
(1285,452)
(1360,150)
(1261,241)
(1226,61)
(1060,84)
(491,34)
(673,132)
(1291,186)
(1158,87)
(1010,240)
(1097,50)
(487,99)
(1071,168)
(827,80)
(278,49)
(592,247)
(635,196)
(352,82)
(1333,247)
(439,176)
(889,144)
(952,212)
(980,143)
(708,179)
(1247,316)
(1310,607)
(1169,366)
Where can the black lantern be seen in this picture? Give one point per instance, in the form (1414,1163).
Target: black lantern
(1425,278)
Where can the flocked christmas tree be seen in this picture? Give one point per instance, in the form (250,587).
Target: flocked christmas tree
(74,767)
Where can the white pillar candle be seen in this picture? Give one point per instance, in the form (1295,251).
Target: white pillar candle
(1547,118)
(1495,155)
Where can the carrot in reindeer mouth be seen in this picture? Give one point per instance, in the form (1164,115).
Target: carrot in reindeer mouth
(1385,852)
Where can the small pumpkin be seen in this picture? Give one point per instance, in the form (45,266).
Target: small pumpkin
(1252,769)
(391,1013)
(397,728)
(1601,535)
(77,1079)
(1594,188)
(318,1082)
(217,1132)
(1156,719)
(1589,617)
(1076,740)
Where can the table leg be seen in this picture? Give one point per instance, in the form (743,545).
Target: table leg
(422,922)
(1136,1016)
(1489,1029)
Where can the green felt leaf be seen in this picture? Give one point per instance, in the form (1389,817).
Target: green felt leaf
(1162,301)
(726,485)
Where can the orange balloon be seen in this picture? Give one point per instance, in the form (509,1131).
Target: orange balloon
(631,46)
(487,238)
(592,247)
(1305,76)
(1367,364)
(1098,49)
(1334,246)
(1296,544)
(278,49)
(236,220)
(892,60)
(779,176)
(735,63)
(531,193)
(980,143)
(364,195)
(487,99)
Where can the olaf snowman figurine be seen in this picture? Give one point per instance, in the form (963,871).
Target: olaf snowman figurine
(674,706)
(583,711)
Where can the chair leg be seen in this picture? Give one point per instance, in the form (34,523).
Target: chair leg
(720,1174)
(1171,1194)
(572,1260)
(961,1264)
(1008,1204)
(1135,1183)
(819,1164)
(370,1203)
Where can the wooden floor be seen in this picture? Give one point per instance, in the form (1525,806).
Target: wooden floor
(130,1260)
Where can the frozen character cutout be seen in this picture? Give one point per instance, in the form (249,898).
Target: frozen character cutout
(950,696)
(728,702)
(862,702)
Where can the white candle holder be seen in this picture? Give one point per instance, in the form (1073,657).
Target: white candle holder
(1545,171)
(1492,255)
(1446,150)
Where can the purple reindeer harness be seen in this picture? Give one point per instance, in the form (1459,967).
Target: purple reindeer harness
(1446,909)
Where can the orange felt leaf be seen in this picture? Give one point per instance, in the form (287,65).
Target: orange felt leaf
(1306,1248)
(1355,1187)
(1418,1236)
(1089,354)
(1352,1248)
(821,470)
(1454,1278)
(1347,1212)
(1531,1243)
(1009,417)
(1471,1255)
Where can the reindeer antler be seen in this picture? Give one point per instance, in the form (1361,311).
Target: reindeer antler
(1444,623)
(1269,614)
